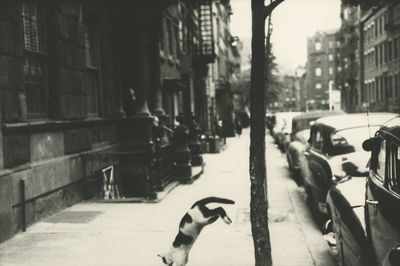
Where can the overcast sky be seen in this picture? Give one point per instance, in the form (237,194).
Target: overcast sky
(293,21)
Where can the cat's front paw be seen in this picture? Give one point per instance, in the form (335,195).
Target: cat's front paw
(227,220)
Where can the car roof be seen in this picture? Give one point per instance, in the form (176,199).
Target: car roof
(316,114)
(287,114)
(339,122)
(392,127)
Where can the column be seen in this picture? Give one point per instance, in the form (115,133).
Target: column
(117,75)
(156,93)
(141,83)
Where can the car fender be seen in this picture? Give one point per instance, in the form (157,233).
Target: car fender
(393,257)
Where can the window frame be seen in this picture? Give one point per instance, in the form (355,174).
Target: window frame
(375,161)
(396,18)
(393,164)
(90,21)
(314,136)
(35,58)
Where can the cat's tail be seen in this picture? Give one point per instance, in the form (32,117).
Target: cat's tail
(213,200)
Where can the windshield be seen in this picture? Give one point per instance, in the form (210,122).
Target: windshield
(285,120)
(353,136)
(302,124)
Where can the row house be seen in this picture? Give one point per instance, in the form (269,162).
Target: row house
(235,59)
(371,49)
(381,57)
(98,100)
(221,69)
(79,90)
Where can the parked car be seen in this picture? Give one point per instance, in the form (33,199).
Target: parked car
(297,142)
(270,121)
(366,212)
(282,127)
(333,141)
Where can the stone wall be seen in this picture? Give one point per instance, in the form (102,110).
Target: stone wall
(48,157)
(47,152)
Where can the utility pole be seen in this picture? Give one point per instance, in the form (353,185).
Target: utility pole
(257,166)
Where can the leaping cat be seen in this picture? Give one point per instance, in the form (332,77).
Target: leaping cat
(190,227)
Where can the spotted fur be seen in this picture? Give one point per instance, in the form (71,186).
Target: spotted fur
(190,227)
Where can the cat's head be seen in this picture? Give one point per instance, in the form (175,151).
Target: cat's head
(166,260)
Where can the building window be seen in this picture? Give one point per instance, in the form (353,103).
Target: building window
(339,69)
(330,57)
(381,54)
(318,46)
(318,72)
(330,71)
(183,29)
(380,169)
(330,44)
(346,61)
(162,36)
(397,14)
(91,37)
(177,50)
(396,48)
(35,60)
(394,168)
(170,37)
(389,86)
(318,86)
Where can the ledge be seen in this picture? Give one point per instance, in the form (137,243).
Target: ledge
(57,125)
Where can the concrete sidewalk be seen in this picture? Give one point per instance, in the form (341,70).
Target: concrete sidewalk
(134,233)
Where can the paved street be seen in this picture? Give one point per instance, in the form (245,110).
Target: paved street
(93,233)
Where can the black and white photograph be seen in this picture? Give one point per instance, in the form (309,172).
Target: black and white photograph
(200,132)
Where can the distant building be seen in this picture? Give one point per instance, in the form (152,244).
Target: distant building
(300,84)
(381,57)
(323,55)
(287,98)
(222,69)
(350,60)
(370,57)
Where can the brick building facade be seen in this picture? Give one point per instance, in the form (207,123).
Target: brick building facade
(322,67)
(381,47)
(371,50)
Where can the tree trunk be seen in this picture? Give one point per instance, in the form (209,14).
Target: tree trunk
(259,202)
(258,169)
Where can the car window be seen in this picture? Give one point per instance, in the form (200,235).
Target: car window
(317,141)
(394,167)
(352,136)
(380,166)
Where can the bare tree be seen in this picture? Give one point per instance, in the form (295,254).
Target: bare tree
(258,174)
